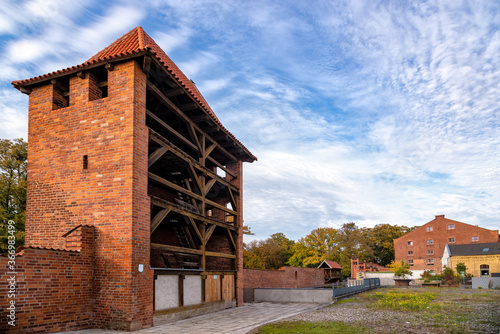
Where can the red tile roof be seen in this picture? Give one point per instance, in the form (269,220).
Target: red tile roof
(331,264)
(133,42)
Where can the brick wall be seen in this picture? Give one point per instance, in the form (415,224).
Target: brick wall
(110,194)
(53,287)
(286,277)
(440,233)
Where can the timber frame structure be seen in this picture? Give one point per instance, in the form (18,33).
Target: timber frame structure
(126,144)
(189,197)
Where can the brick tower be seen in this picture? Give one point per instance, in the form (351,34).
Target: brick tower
(126,143)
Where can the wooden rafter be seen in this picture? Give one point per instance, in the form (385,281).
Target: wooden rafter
(191,251)
(230,234)
(160,216)
(156,155)
(209,232)
(174,208)
(169,128)
(209,185)
(166,101)
(192,162)
(172,185)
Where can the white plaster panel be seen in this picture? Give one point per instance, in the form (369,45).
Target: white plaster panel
(192,290)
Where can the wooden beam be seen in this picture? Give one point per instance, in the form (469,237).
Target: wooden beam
(210,230)
(169,128)
(191,251)
(192,162)
(162,141)
(195,177)
(194,138)
(209,186)
(156,155)
(230,234)
(173,186)
(200,118)
(189,193)
(234,203)
(160,216)
(109,66)
(167,205)
(188,106)
(165,100)
(146,65)
(174,92)
(209,150)
(195,228)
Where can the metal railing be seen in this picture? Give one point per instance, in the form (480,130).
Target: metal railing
(346,288)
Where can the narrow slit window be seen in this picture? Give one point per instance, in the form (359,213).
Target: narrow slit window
(85,162)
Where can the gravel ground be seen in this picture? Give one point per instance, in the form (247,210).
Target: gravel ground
(463,311)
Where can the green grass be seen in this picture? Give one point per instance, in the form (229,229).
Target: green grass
(400,300)
(402,310)
(312,328)
(347,300)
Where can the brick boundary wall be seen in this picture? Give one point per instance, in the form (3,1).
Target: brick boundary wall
(286,277)
(53,287)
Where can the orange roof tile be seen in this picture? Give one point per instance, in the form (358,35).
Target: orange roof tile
(138,41)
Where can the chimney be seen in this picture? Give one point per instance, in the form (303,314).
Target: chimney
(439,216)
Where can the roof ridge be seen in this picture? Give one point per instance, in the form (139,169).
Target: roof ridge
(140,33)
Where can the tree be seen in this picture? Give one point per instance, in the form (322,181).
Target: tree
(317,246)
(13,171)
(272,253)
(461,269)
(381,240)
(400,268)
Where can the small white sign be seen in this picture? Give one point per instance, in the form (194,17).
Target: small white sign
(141,268)
(215,276)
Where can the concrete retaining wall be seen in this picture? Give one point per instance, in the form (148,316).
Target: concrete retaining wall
(293,295)
(483,282)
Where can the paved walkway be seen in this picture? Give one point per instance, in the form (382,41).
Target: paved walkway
(239,320)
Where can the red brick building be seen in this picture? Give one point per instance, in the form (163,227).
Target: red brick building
(124,151)
(358,267)
(423,247)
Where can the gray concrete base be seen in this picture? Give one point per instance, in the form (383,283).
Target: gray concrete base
(321,296)
(180,313)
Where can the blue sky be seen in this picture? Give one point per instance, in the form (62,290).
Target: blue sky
(359,111)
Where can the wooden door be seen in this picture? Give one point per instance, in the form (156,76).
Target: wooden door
(228,290)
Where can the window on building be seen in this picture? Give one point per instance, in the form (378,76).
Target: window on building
(430,262)
(428,229)
(430,252)
(410,262)
(410,243)
(485,270)
(451,240)
(430,241)
(486,249)
(410,253)
(475,238)
(451,226)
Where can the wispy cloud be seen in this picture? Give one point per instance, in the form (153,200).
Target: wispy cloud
(364,111)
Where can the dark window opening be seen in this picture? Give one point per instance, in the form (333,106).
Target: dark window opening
(100,85)
(85,162)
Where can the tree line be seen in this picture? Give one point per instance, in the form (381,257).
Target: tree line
(13,171)
(326,243)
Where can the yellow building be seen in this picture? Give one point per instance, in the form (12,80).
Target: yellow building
(481,260)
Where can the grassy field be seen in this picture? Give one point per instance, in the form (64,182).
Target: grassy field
(402,310)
